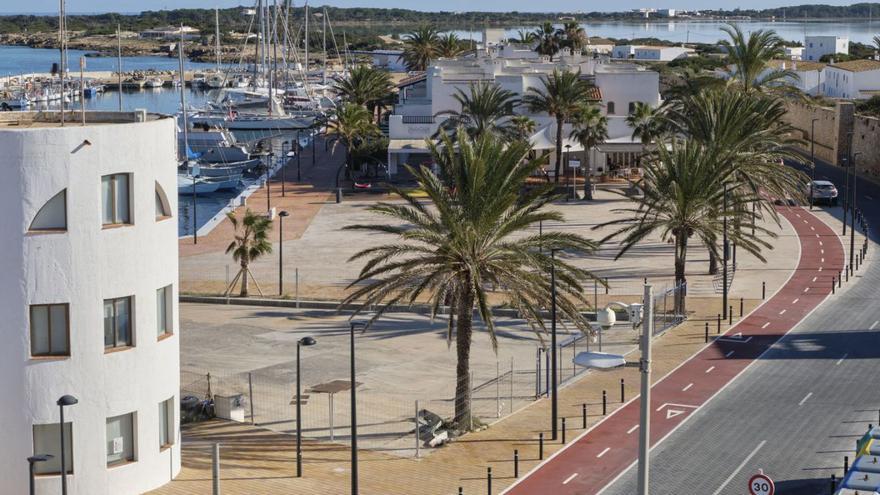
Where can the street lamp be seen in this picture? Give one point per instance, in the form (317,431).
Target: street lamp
(724,256)
(32,468)
(194,172)
(852,216)
(270,155)
(554,406)
(354,451)
(283,166)
(568,166)
(281,217)
(64,401)
(305,341)
(290,155)
(599,360)
(812,158)
(314,135)
(299,149)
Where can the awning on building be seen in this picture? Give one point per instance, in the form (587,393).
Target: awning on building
(545,139)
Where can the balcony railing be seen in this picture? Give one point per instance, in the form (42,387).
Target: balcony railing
(418,119)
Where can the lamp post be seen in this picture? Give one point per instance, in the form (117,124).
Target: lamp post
(314,134)
(305,341)
(299,149)
(724,255)
(283,166)
(32,461)
(281,217)
(554,406)
(64,401)
(852,216)
(354,452)
(194,171)
(568,166)
(812,158)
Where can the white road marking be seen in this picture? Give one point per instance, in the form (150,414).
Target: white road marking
(817,235)
(796,214)
(873,326)
(793,302)
(739,468)
(783,311)
(805,399)
(629,431)
(820,269)
(866,197)
(805,221)
(685,389)
(812,228)
(814,279)
(821,251)
(726,355)
(567,480)
(600,453)
(710,369)
(807,289)
(765,325)
(823,260)
(820,243)
(837,364)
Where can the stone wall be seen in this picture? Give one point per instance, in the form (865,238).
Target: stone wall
(866,145)
(825,140)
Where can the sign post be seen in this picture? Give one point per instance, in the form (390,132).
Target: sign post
(761,484)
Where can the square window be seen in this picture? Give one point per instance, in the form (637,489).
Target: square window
(50,330)
(120,439)
(47,440)
(164,309)
(115,199)
(117,323)
(166,423)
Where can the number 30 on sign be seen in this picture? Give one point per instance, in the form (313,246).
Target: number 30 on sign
(761,484)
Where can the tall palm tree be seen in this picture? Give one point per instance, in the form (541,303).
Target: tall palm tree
(351,126)
(484,108)
(561,97)
(549,40)
(590,128)
(876,41)
(690,82)
(420,47)
(575,37)
(365,86)
(522,127)
(525,37)
(750,59)
(449,45)
(476,229)
(683,197)
(646,123)
(250,242)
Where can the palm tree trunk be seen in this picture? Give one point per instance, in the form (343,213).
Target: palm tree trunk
(244,278)
(559,123)
(588,180)
(463,330)
(713,263)
(681,240)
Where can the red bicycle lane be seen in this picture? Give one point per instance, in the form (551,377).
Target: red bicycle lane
(596,458)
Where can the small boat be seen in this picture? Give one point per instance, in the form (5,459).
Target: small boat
(226,169)
(136,82)
(216,81)
(154,82)
(225,183)
(186,185)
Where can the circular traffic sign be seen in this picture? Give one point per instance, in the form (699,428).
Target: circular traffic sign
(761,484)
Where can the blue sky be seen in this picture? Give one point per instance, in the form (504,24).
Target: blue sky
(7,6)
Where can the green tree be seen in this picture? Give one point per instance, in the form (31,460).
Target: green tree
(365,86)
(750,57)
(561,97)
(420,47)
(351,126)
(522,127)
(524,37)
(590,129)
(484,109)
(476,229)
(449,45)
(549,40)
(250,242)
(646,122)
(575,37)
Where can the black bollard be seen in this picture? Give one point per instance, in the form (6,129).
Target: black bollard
(740,307)
(563,430)
(489,480)
(707,332)
(845,464)
(718,330)
(763,290)
(622,392)
(604,403)
(606,285)
(833,483)
(584,415)
(460,491)
(730,315)
(839,279)
(832,285)
(516,464)
(540,446)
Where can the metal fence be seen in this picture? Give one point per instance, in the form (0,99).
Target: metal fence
(668,311)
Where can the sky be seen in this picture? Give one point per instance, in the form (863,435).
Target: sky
(90,6)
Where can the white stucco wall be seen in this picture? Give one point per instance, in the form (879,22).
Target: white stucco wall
(82,267)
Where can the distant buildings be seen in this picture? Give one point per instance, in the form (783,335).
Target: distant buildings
(89,301)
(390,60)
(170,33)
(817,46)
(856,79)
(650,53)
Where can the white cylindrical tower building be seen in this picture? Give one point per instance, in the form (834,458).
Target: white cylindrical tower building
(88,295)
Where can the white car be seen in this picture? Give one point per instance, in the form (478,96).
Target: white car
(822,191)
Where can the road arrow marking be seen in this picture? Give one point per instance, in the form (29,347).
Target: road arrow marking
(671,413)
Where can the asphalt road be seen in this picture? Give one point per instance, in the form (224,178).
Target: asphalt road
(797,411)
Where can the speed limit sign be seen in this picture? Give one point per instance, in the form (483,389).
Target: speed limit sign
(761,484)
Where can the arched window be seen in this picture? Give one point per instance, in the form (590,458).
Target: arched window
(53,215)
(163,210)
(632,107)
(610,107)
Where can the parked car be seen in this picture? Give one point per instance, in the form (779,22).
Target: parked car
(822,191)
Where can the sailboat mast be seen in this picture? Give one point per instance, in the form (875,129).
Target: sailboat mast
(183,98)
(324,31)
(61,47)
(306,42)
(119,66)
(217,35)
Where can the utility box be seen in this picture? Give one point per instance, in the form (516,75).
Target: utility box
(229,407)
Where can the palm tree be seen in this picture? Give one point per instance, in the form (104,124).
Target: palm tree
(683,196)
(575,37)
(750,58)
(351,126)
(484,107)
(876,41)
(250,242)
(525,37)
(522,127)
(449,45)
(549,41)
(420,47)
(646,123)
(689,82)
(561,97)
(365,86)
(476,229)
(590,128)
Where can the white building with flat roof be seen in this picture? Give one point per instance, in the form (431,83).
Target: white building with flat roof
(817,46)
(89,301)
(853,80)
(650,53)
